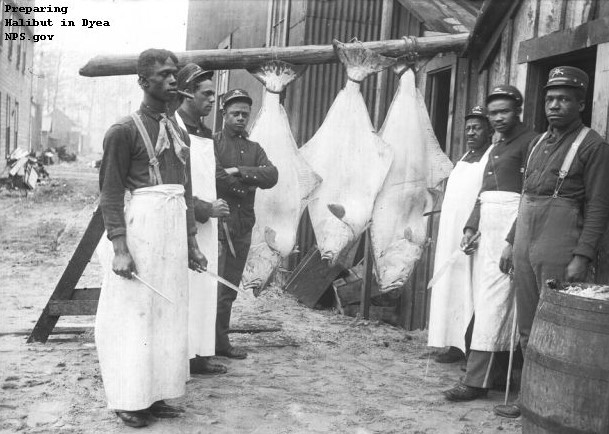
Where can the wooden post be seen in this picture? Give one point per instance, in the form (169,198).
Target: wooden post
(600,123)
(245,58)
(364,307)
(62,301)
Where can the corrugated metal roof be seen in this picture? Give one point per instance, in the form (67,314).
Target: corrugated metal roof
(446,16)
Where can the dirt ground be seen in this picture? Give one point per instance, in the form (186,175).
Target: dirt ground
(322,373)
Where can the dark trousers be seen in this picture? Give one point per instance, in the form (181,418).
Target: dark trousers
(486,369)
(231,268)
(547,232)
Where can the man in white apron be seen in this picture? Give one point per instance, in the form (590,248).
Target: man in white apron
(141,330)
(492,216)
(203,293)
(565,205)
(451,298)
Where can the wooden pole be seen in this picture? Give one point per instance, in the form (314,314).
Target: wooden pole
(244,58)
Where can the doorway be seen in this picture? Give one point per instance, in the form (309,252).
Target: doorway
(535,116)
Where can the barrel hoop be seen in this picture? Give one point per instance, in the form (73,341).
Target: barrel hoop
(550,424)
(574,369)
(575,302)
(559,318)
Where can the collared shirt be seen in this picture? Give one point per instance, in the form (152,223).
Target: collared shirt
(587,181)
(195,126)
(125,167)
(239,191)
(505,166)
(474,155)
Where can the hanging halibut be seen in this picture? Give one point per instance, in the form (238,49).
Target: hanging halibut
(278,210)
(350,157)
(399,229)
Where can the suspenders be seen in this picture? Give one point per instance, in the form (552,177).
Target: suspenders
(153,165)
(566,164)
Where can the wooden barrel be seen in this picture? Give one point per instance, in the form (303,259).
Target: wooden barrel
(565,379)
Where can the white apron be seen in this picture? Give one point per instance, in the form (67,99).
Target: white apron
(452,303)
(203,289)
(493,293)
(141,338)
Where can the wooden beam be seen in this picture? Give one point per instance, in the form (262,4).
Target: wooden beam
(600,123)
(364,307)
(72,307)
(67,283)
(600,101)
(245,58)
(588,34)
(485,55)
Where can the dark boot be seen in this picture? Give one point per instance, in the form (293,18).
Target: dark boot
(462,392)
(134,419)
(162,410)
(204,366)
(453,355)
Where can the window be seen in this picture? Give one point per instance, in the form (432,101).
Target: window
(7,130)
(534,109)
(439,84)
(1,22)
(16,124)
(18,62)
(10,42)
(278,23)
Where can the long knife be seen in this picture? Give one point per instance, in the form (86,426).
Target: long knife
(217,278)
(452,258)
(152,288)
(223,281)
(230,242)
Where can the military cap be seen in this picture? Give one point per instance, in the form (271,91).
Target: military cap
(189,73)
(569,76)
(235,95)
(505,90)
(476,112)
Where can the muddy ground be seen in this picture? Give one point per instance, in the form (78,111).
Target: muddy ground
(321,373)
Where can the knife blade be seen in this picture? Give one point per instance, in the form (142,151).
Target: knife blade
(228,239)
(152,288)
(222,280)
(451,259)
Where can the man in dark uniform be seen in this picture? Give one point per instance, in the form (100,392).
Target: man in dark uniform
(493,215)
(242,166)
(561,219)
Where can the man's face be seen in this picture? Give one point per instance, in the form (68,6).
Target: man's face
(236,116)
(503,114)
(204,97)
(161,83)
(476,132)
(563,106)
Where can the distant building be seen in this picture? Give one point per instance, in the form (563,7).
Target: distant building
(59,130)
(16,60)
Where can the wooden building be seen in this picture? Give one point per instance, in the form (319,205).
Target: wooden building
(16,60)
(515,42)
(518,42)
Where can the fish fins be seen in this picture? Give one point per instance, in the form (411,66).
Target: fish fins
(359,61)
(337,209)
(408,235)
(275,75)
(270,236)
